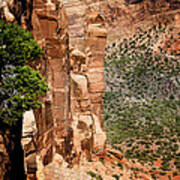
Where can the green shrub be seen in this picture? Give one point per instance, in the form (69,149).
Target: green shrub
(142,96)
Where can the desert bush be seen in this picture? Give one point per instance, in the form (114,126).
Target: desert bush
(142,96)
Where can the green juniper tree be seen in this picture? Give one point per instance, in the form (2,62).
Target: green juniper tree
(20,87)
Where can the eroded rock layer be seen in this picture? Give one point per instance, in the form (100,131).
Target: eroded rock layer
(87,88)
(69,126)
(123,17)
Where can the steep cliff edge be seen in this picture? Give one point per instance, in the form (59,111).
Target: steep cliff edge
(70,122)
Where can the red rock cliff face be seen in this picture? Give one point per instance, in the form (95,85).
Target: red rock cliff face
(70,122)
(50,29)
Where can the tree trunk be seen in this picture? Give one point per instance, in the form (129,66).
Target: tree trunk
(12,166)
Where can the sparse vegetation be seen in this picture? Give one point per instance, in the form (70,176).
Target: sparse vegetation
(142,100)
(94,175)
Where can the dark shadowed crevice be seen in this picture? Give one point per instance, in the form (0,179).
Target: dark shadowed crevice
(23,8)
(134,1)
(12,142)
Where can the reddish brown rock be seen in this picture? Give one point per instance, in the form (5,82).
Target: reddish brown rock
(70,122)
(5,5)
(4,158)
(95,45)
(123,17)
(50,29)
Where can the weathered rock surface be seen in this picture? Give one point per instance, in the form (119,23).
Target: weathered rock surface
(50,30)
(5,4)
(70,122)
(4,158)
(87,80)
(123,17)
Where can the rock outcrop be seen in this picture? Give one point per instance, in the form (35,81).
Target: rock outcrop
(70,122)
(123,17)
(87,90)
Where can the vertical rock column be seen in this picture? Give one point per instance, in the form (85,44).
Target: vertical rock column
(87,90)
(82,122)
(95,51)
(50,29)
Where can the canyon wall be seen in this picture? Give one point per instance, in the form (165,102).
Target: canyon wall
(49,28)
(123,17)
(69,126)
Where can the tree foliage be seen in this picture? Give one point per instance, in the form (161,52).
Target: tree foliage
(20,85)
